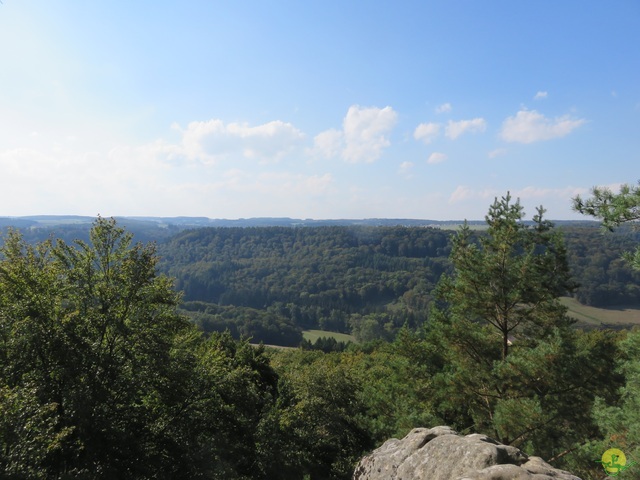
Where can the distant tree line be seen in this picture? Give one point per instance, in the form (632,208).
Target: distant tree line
(103,376)
(596,260)
(323,277)
(271,282)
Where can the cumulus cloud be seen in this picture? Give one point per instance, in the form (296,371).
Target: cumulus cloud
(455,129)
(426,132)
(365,133)
(363,137)
(529,126)
(213,140)
(329,143)
(185,176)
(444,108)
(540,96)
(436,157)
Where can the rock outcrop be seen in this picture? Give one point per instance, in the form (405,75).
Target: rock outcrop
(441,454)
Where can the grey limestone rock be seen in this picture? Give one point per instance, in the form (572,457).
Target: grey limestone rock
(441,454)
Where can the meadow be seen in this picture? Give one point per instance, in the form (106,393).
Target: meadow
(594,317)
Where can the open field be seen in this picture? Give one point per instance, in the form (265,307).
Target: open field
(619,316)
(455,226)
(313,335)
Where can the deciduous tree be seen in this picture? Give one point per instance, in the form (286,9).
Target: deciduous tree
(100,377)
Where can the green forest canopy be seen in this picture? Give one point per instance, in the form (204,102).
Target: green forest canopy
(271,283)
(100,374)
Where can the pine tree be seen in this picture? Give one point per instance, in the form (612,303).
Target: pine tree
(619,420)
(614,210)
(511,278)
(513,367)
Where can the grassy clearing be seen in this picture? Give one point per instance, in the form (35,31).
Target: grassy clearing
(313,335)
(596,317)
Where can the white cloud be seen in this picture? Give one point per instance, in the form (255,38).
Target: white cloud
(475,201)
(426,132)
(455,129)
(529,126)
(329,143)
(24,162)
(405,169)
(532,192)
(164,178)
(444,108)
(540,96)
(498,152)
(213,140)
(436,157)
(364,135)
(463,193)
(120,179)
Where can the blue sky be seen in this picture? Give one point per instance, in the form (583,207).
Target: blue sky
(332,109)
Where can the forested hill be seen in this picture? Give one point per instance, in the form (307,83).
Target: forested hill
(99,371)
(271,282)
(365,280)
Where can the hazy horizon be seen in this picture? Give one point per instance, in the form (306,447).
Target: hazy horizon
(303,219)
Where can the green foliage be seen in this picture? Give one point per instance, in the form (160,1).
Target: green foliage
(101,378)
(307,278)
(89,331)
(268,326)
(511,365)
(30,433)
(605,278)
(397,385)
(325,344)
(619,416)
(320,417)
(614,209)
(511,281)
(270,283)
